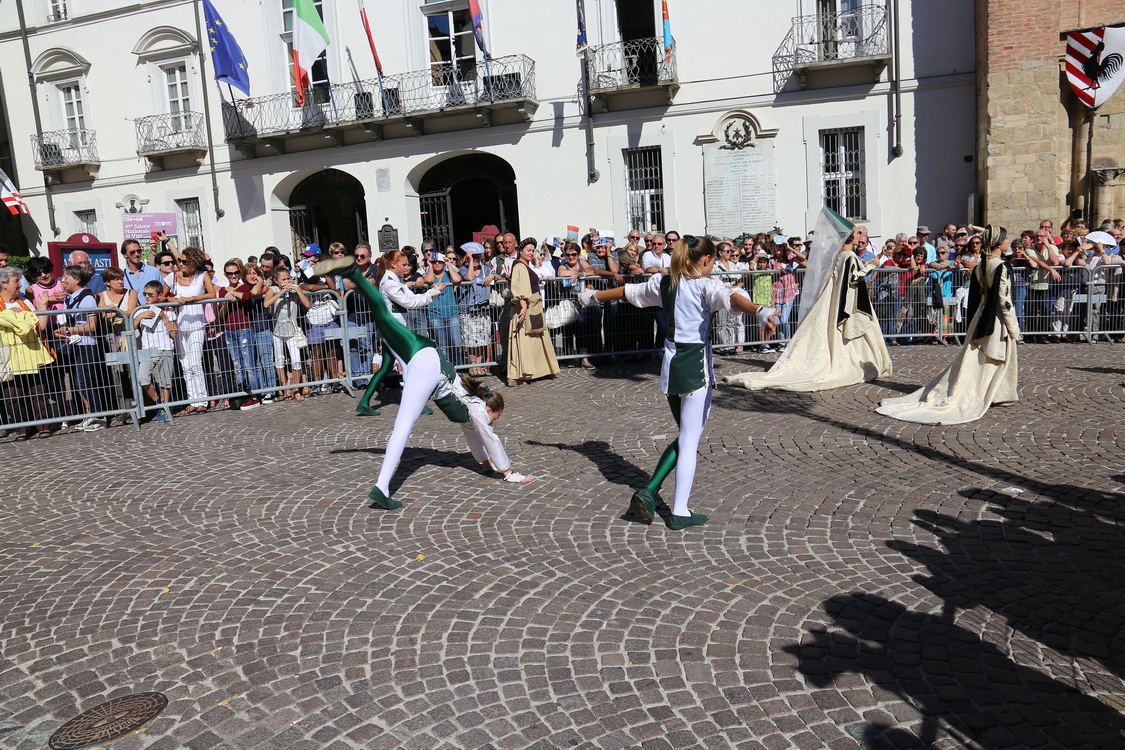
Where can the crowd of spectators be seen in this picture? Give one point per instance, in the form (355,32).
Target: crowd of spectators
(266,329)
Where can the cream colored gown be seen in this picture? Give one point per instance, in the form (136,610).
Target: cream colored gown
(827,352)
(982,374)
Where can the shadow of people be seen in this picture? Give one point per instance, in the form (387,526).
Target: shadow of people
(613,467)
(1051,569)
(957,687)
(414,459)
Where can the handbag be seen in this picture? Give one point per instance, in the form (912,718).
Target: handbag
(563,313)
(496,299)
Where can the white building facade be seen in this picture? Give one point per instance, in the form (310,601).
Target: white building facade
(762,113)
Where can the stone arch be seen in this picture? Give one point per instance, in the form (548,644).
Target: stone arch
(59,64)
(461,194)
(327,206)
(164,42)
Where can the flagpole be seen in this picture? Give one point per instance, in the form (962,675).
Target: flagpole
(219,212)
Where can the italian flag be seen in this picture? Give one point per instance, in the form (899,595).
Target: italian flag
(309,40)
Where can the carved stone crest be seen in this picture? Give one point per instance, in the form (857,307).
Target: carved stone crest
(737,135)
(388,238)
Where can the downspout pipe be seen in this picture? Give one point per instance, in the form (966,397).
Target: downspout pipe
(38,118)
(896,58)
(219,212)
(592,173)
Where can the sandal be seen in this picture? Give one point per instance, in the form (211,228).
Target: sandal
(21,438)
(299,397)
(43,434)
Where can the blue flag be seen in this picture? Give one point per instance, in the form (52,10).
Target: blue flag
(226,56)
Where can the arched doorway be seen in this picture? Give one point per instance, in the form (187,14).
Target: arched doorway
(463,194)
(328,207)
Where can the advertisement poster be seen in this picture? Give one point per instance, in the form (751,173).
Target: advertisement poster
(141,227)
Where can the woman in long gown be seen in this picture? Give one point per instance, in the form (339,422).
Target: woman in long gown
(530,351)
(838,341)
(984,371)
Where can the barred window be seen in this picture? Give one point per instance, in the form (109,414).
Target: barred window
(844,180)
(191,223)
(644,181)
(87,221)
(56,11)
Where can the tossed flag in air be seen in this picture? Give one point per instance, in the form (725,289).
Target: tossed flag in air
(370,38)
(478,26)
(1095,63)
(309,40)
(668,40)
(226,56)
(582,43)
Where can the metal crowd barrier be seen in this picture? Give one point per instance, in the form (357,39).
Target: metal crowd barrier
(217,356)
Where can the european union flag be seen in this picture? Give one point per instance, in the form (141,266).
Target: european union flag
(226,56)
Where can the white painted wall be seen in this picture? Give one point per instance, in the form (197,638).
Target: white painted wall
(724,50)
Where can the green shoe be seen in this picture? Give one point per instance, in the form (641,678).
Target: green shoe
(679,523)
(338,266)
(382,501)
(427,410)
(645,501)
(367,410)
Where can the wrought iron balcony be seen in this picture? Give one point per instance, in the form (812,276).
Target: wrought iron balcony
(406,99)
(824,40)
(633,65)
(179,133)
(66,149)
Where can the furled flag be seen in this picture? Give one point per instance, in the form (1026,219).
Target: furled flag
(582,43)
(1095,63)
(11,197)
(370,39)
(309,40)
(668,40)
(478,26)
(226,56)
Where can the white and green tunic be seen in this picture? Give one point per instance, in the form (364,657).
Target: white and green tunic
(688,305)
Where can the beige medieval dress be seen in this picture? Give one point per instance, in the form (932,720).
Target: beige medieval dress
(984,371)
(838,343)
(530,352)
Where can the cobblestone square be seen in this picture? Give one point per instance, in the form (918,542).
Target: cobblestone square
(862,582)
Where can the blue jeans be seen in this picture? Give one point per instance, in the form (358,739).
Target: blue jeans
(1019,296)
(81,361)
(240,344)
(263,342)
(360,348)
(447,333)
(784,310)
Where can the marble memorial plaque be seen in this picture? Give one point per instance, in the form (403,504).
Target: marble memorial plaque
(740,191)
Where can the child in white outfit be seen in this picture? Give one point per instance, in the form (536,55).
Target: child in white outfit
(284,299)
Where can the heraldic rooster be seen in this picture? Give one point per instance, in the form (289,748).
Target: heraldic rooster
(1097,69)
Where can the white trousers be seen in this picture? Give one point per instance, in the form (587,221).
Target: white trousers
(695,407)
(420,376)
(483,441)
(189,350)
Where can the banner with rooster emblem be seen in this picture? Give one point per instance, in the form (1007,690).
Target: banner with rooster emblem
(1095,63)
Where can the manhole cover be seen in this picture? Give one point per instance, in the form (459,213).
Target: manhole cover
(108,721)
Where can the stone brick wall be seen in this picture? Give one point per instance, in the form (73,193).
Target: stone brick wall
(1027,119)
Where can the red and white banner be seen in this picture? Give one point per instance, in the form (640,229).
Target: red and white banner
(1095,63)
(11,197)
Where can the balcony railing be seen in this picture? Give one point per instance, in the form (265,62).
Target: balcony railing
(63,149)
(632,64)
(825,39)
(171,133)
(441,89)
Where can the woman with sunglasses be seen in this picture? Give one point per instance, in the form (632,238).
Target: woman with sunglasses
(189,285)
(689,297)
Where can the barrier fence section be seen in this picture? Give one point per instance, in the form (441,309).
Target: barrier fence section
(156,358)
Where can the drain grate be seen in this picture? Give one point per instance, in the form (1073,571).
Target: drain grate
(108,721)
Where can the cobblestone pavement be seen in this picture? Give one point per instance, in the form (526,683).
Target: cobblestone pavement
(862,582)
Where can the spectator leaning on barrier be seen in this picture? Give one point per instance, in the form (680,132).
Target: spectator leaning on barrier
(21,386)
(157,327)
(188,285)
(76,347)
(284,299)
(360,345)
(1102,266)
(442,312)
(476,323)
(1040,257)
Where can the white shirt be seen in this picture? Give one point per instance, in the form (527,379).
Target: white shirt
(394,289)
(652,260)
(154,334)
